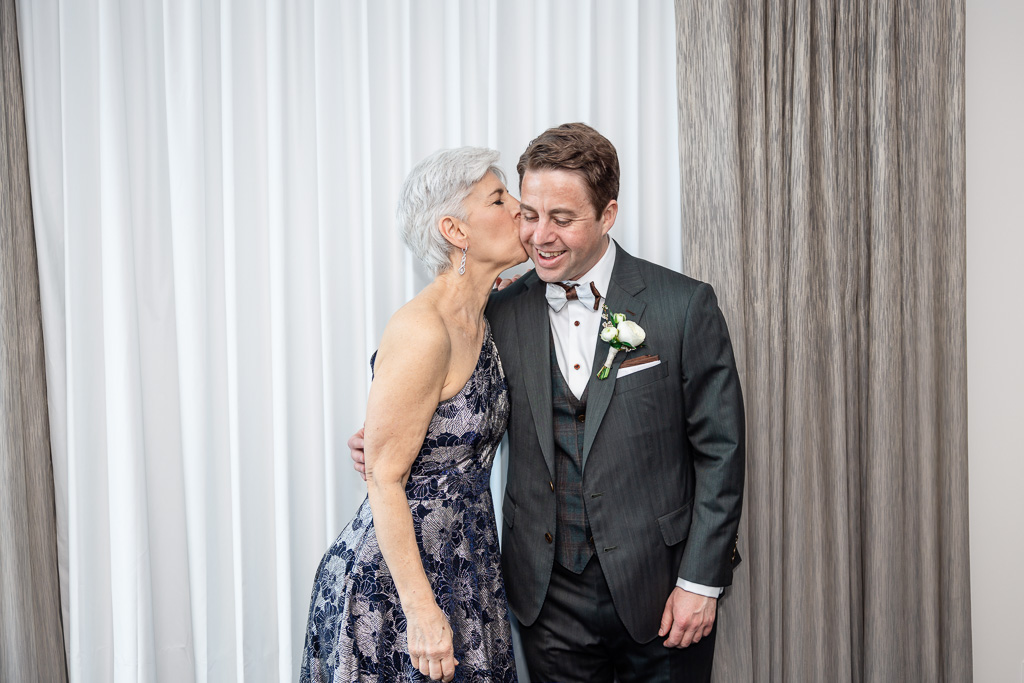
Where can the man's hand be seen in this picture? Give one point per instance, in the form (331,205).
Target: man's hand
(687,618)
(500,284)
(355,447)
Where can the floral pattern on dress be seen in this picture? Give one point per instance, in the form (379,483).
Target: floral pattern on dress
(356,629)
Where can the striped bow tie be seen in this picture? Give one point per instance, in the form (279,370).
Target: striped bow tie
(558,293)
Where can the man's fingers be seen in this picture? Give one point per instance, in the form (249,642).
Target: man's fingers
(676,634)
(355,447)
(666,619)
(435,670)
(500,283)
(355,442)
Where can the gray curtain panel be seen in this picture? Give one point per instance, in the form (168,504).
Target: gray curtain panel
(31,635)
(822,163)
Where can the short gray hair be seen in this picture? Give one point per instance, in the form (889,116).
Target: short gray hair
(435,188)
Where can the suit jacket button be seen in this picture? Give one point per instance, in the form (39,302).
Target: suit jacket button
(548,537)
(552,485)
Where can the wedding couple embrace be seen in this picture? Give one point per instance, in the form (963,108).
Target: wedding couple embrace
(625,469)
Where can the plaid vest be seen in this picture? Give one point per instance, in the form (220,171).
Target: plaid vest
(573,544)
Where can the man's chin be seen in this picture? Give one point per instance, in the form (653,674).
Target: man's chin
(545,274)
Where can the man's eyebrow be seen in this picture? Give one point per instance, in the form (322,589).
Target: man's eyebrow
(552,212)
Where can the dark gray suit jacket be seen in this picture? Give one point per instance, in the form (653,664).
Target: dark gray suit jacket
(663,452)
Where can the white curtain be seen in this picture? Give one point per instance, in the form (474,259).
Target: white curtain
(213,187)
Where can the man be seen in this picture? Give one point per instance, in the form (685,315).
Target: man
(623,494)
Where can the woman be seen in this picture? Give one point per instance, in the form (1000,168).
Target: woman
(412,587)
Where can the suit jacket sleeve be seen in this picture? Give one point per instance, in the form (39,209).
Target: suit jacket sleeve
(713,406)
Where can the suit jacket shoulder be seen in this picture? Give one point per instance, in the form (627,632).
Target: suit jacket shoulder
(658,276)
(669,291)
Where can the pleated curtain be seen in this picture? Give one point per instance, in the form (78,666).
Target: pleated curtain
(822,164)
(214,187)
(31,633)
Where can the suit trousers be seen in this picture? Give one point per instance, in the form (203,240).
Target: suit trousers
(579,638)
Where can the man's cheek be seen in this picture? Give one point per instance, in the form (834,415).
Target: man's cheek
(524,234)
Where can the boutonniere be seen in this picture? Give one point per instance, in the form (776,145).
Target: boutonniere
(621,334)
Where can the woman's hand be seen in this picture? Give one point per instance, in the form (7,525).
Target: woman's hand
(430,643)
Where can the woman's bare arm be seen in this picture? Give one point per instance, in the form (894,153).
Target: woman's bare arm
(409,376)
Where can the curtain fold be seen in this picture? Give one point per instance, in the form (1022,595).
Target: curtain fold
(31,632)
(214,191)
(822,164)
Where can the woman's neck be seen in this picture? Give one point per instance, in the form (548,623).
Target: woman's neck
(462,298)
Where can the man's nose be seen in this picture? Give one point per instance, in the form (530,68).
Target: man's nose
(542,232)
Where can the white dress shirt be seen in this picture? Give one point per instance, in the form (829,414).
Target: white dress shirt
(576,326)
(575,329)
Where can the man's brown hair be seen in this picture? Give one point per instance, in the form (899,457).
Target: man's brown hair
(579,148)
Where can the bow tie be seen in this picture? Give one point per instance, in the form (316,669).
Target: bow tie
(558,293)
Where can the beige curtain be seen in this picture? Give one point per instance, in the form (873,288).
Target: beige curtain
(31,635)
(822,164)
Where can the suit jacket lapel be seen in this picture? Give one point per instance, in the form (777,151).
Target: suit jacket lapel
(535,360)
(625,283)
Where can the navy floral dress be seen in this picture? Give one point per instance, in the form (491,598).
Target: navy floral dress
(356,629)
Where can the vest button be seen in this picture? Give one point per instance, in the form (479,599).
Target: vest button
(552,485)
(581,417)
(549,538)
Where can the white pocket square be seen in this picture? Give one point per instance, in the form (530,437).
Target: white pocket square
(637,368)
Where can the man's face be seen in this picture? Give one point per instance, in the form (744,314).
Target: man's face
(559,229)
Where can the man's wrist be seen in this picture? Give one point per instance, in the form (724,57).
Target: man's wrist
(700,589)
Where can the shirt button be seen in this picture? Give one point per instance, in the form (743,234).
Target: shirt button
(548,537)
(581,418)
(577,323)
(576,367)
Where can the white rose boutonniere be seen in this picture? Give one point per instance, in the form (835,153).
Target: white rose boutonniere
(621,334)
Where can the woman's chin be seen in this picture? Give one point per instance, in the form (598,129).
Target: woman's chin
(517,259)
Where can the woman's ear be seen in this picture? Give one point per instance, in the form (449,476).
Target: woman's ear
(453,230)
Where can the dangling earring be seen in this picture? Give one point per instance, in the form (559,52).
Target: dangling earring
(462,266)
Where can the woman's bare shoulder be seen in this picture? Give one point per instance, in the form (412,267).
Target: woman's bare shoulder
(416,332)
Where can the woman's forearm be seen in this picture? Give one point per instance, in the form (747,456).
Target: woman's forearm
(397,538)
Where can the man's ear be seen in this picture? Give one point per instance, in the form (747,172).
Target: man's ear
(453,230)
(611,211)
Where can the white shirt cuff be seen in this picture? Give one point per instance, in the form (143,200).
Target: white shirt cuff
(700,589)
